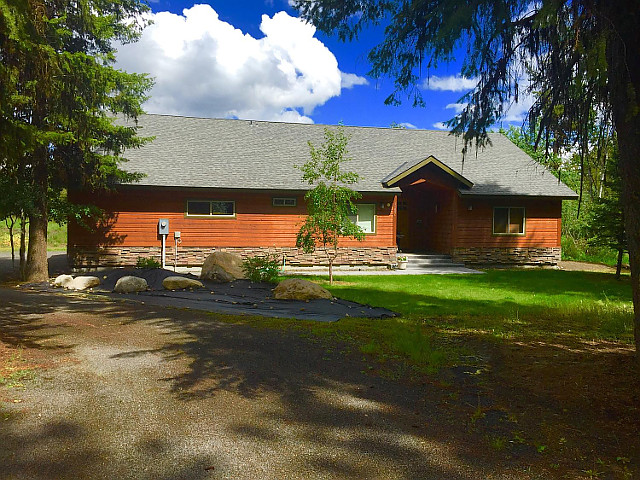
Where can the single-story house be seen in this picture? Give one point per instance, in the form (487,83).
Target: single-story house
(232,185)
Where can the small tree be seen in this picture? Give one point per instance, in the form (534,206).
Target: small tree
(605,223)
(330,202)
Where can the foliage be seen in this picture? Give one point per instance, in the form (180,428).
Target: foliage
(262,269)
(56,236)
(331,201)
(59,95)
(147,262)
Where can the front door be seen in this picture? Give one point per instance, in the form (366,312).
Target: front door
(402,231)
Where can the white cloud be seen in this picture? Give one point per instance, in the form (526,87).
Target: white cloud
(351,79)
(452,83)
(408,125)
(456,107)
(206,67)
(440,126)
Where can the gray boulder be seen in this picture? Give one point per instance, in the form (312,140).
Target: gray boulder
(83,282)
(222,267)
(180,283)
(298,289)
(130,284)
(62,281)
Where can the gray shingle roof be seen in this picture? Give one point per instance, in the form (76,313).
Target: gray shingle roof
(220,153)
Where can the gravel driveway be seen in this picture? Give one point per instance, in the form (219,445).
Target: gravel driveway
(133,391)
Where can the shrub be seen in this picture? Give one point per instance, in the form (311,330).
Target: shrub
(262,269)
(144,262)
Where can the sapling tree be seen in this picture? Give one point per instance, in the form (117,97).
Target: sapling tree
(330,202)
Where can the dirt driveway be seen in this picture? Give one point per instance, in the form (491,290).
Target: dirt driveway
(131,391)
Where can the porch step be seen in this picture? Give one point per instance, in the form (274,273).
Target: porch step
(425,261)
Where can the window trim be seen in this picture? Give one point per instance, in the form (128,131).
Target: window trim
(507,234)
(295,201)
(375,218)
(210,215)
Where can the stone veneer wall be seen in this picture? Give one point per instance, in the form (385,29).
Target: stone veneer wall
(80,257)
(508,255)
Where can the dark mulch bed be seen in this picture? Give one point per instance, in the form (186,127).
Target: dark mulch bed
(241,297)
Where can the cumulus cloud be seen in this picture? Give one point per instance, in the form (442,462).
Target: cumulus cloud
(206,67)
(456,107)
(440,126)
(452,83)
(408,125)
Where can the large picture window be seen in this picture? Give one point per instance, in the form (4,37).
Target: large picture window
(211,208)
(508,221)
(365,218)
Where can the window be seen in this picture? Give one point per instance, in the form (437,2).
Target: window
(211,208)
(365,218)
(285,201)
(508,221)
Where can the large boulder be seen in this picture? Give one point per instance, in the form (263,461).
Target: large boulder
(298,289)
(62,281)
(83,282)
(180,283)
(222,267)
(130,284)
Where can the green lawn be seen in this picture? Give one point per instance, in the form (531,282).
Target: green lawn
(437,311)
(57,237)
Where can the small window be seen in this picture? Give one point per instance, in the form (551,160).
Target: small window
(365,218)
(508,221)
(208,208)
(285,201)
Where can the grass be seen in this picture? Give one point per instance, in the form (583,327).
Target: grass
(56,237)
(440,314)
(524,304)
(15,370)
(580,251)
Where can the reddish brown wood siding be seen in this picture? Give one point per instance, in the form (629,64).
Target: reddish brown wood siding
(474,228)
(134,215)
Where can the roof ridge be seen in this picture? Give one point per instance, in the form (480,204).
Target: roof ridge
(368,127)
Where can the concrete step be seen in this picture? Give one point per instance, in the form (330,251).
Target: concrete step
(426,261)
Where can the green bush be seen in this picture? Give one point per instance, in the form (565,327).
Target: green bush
(144,262)
(262,269)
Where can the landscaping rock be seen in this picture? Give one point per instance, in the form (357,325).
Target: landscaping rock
(130,284)
(62,281)
(180,283)
(298,289)
(222,267)
(83,282)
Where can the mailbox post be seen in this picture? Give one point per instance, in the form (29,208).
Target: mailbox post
(163,231)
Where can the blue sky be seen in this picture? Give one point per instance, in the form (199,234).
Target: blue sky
(255,59)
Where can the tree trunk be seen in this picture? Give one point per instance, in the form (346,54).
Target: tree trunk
(623,51)
(619,263)
(13,247)
(23,243)
(37,267)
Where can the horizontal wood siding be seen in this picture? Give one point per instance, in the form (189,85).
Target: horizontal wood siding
(133,217)
(474,227)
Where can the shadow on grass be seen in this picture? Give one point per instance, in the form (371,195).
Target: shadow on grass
(316,405)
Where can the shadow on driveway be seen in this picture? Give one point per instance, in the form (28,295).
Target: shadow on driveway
(166,393)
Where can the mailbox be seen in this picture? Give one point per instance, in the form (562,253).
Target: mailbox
(163,226)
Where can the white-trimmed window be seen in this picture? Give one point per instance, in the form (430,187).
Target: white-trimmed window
(366,217)
(508,220)
(284,201)
(211,208)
